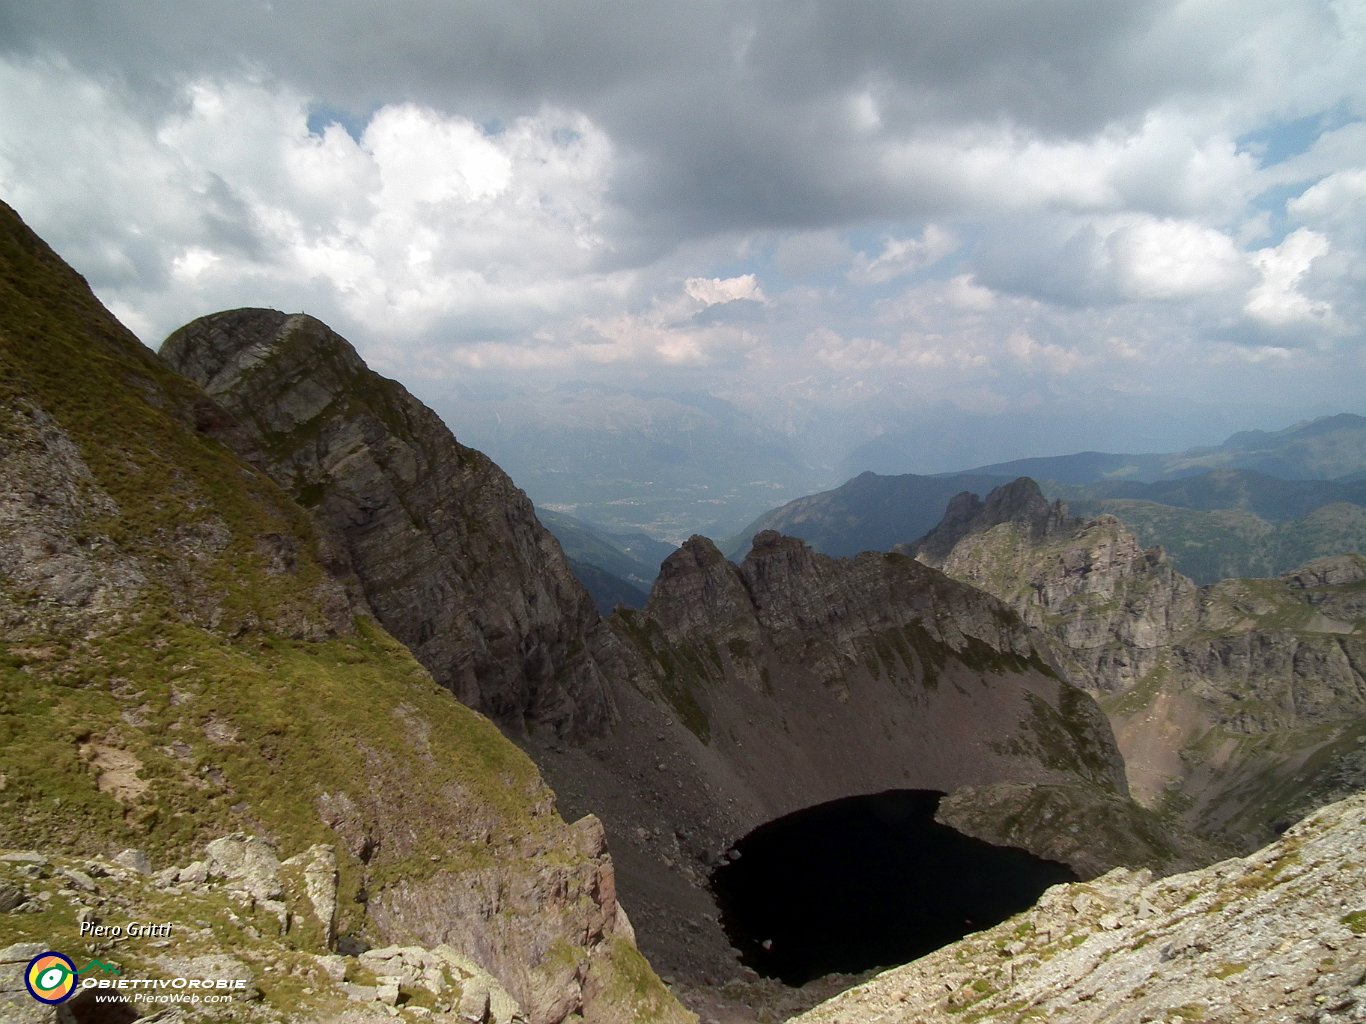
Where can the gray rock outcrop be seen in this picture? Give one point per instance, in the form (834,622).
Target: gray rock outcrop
(237,950)
(449,552)
(1111,605)
(1276,936)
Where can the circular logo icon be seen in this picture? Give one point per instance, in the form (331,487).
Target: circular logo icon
(51,978)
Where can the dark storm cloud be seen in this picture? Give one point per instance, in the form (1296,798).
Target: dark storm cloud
(1066,65)
(727,115)
(965,198)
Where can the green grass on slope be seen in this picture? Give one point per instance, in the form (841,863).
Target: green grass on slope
(130,418)
(229,735)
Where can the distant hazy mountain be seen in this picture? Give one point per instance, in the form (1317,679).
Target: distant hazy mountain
(1223,544)
(634,557)
(1231,523)
(1267,497)
(868,513)
(668,464)
(1249,507)
(1328,448)
(608,592)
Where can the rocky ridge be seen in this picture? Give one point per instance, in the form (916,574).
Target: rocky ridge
(758,682)
(1278,935)
(1238,705)
(876,632)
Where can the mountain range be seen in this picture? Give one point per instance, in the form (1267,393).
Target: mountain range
(1326,448)
(279,652)
(1219,513)
(685,706)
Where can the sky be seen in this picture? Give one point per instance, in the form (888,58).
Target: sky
(1130,225)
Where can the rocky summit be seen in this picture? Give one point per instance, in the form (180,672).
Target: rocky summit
(448,551)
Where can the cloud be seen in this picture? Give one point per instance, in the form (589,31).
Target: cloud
(901,256)
(425,222)
(988,196)
(809,253)
(712,290)
(1336,203)
(1031,352)
(864,355)
(1170,259)
(750,114)
(1277,300)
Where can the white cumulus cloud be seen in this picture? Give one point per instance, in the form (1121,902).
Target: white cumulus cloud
(1277,300)
(712,291)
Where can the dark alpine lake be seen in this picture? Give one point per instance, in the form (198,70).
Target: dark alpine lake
(866,882)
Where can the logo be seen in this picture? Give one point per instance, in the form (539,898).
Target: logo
(51,978)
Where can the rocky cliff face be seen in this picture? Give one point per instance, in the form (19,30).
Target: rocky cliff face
(1238,705)
(449,551)
(1279,935)
(179,661)
(1112,605)
(877,632)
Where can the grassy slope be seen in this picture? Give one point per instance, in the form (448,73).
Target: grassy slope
(216,697)
(289,718)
